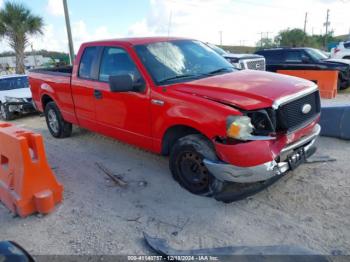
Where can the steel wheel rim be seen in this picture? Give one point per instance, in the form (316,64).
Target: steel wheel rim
(53,121)
(195,173)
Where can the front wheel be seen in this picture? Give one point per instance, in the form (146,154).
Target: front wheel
(57,126)
(5,113)
(187,167)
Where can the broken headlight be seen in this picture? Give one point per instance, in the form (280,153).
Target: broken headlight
(9,99)
(239,127)
(255,125)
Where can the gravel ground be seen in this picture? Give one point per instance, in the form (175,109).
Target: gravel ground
(309,207)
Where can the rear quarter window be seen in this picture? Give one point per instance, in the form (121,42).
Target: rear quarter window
(87,61)
(347,45)
(272,57)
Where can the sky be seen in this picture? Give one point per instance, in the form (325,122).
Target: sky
(239,21)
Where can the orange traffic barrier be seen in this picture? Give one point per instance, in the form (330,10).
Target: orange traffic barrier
(326,80)
(27,183)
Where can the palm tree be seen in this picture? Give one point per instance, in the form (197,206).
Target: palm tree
(17,23)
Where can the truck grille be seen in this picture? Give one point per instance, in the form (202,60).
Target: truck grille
(290,116)
(256,64)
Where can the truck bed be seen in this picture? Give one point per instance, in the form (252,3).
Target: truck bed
(56,81)
(67,70)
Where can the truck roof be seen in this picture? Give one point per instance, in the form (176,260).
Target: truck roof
(137,40)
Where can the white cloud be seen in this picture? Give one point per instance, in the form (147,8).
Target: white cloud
(54,39)
(82,34)
(1,3)
(55,7)
(240,21)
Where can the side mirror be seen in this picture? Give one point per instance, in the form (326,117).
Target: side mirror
(121,83)
(11,251)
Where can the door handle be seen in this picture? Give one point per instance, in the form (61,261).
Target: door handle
(97,94)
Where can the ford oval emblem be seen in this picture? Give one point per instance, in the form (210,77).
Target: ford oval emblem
(306,109)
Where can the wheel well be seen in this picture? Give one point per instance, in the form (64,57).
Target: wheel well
(173,134)
(45,100)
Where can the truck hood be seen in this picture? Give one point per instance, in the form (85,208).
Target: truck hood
(17,93)
(341,61)
(246,89)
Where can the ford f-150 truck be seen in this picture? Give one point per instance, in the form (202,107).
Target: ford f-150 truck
(241,61)
(178,97)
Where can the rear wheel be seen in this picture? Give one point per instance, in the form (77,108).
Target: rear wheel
(57,126)
(187,167)
(5,113)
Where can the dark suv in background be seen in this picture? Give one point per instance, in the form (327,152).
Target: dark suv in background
(305,59)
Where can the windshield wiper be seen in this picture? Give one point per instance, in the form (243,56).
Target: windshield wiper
(220,70)
(177,77)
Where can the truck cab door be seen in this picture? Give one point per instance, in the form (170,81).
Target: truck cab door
(298,60)
(83,86)
(123,115)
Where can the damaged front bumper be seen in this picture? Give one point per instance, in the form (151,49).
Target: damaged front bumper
(20,107)
(289,158)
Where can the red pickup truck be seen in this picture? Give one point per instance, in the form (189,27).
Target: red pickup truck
(177,97)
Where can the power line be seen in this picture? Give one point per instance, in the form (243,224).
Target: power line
(262,37)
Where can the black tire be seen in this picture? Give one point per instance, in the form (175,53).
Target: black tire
(186,165)
(5,113)
(342,84)
(57,126)
(339,84)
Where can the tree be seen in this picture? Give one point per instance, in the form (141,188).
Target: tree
(292,38)
(265,43)
(17,24)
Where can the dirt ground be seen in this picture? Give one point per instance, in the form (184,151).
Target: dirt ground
(309,207)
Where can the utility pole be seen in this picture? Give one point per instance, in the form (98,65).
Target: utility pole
(69,32)
(34,56)
(305,22)
(267,34)
(261,38)
(220,33)
(326,24)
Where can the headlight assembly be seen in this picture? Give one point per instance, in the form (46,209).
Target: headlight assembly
(13,99)
(237,65)
(241,128)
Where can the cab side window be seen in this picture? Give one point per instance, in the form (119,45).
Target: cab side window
(294,57)
(116,61)
(87,63)
(273,57)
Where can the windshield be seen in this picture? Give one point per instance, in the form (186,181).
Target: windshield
(217,49)
(316,54)
(13,83)
(181,60)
